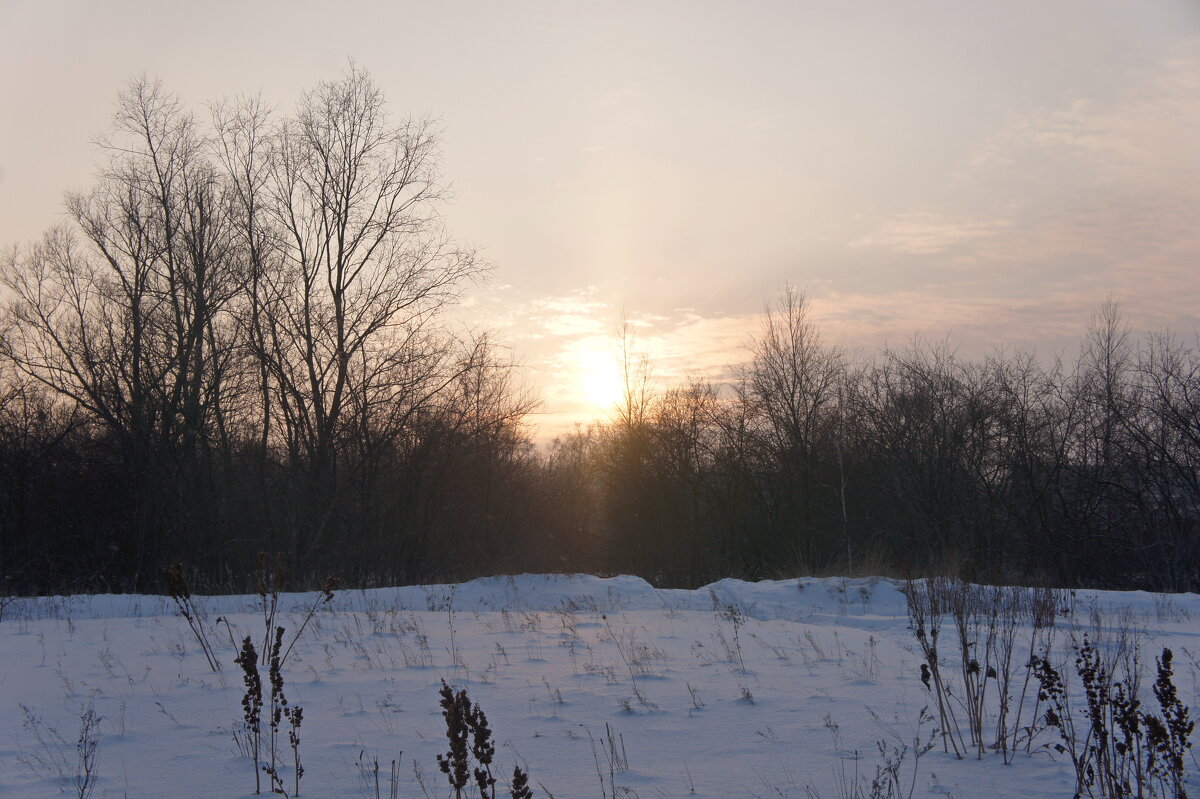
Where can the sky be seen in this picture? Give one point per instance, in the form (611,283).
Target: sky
(978,171)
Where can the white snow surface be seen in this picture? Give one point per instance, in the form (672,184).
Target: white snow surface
(790,700)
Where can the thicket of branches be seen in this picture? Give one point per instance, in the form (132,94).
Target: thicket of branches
(238,346)
(915,461)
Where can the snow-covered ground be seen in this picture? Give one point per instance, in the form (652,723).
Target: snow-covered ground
(772,689)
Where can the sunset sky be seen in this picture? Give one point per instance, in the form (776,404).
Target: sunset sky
(985,171)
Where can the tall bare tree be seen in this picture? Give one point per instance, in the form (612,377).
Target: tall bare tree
(131,316)
(790,392)
(364,267)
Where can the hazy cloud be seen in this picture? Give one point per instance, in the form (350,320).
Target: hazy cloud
(927,233)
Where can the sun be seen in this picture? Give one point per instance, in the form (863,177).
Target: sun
(599,377)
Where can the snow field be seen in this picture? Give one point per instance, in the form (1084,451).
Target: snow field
(598,687)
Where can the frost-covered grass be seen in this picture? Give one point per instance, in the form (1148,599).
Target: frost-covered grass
(597,687)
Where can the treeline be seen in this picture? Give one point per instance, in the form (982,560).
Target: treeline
(1003,469)
(239,347)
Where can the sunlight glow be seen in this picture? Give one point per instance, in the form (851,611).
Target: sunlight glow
(599,377)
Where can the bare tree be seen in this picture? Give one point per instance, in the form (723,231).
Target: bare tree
(792,379)
(1168,443)
(263,298)
(242,145)
(134,322)
(790,394)
(637,394)
(364,267)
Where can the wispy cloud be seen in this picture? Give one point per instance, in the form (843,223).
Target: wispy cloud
(1146,136)
(929,232)
(1061,207)
(574,314)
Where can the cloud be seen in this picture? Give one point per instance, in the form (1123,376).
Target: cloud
(928,232)
(975,323)
(1146,136)
(575,313)
(1062,206)
(699,348)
